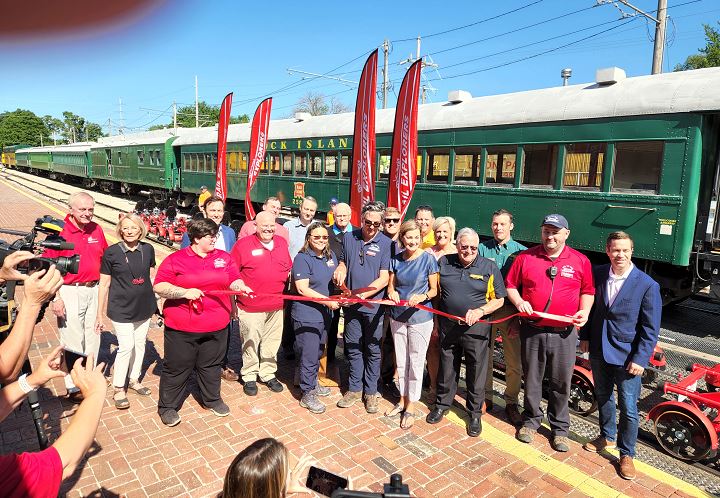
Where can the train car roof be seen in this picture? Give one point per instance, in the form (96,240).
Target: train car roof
(75,147)
(146,137)
(677,92)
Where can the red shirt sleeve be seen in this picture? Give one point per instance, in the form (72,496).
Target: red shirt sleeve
(587,286)
(512,281)
(37,475)
(166,271)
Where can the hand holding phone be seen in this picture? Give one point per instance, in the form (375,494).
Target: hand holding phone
(324,482)
(71,357)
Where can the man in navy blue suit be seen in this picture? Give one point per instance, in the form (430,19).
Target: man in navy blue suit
(620,336)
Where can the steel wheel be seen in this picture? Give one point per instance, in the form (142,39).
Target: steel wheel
(582,396)
(683,435)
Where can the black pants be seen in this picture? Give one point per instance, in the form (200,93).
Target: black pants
(332,338)
(456,340)
(388,362)
(310,338)
(551,355)
(288,334)
(185,352)
(231,327)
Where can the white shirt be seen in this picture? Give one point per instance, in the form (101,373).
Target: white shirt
(615,283)
(220,241)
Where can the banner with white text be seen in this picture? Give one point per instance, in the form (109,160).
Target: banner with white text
(221,170)
(258,145)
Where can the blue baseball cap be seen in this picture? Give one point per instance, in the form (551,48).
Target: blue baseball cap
(556,220)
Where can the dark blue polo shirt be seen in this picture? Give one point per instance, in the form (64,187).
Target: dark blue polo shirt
(463,288)
(364,261)
(319,271)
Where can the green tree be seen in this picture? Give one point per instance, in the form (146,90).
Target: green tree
(78,129)
(54,127)
(21,127)
(209,115)
(709,55)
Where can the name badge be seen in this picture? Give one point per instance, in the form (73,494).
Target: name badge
(331,263)
(257,252)
(476,277)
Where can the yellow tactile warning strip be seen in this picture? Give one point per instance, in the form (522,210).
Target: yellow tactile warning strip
(565,472)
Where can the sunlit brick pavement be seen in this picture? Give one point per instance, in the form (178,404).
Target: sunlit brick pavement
(136,455)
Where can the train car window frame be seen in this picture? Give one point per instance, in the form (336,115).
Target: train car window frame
(475,154)
(505,173)
(315,164)
(108,156)
(287,160)
(632,166)
(232,161)
(120,157)
(301,160)
(331,159)
(383,164)
(273,159)
(141,157)
(577,166)
(438,163)
(346,164)
(538,170)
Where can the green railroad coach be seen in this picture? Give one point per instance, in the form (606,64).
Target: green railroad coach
(636,154)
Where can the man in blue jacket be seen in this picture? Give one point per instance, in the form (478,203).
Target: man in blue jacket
(620,336)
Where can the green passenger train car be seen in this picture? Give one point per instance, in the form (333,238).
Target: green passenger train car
(636,154)
(71,160)
(140,161)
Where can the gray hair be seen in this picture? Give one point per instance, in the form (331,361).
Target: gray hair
(467,232)
(77,195)
(373,207)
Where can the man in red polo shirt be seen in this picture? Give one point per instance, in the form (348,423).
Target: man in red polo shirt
(264,263)
(76,303)
(556,279)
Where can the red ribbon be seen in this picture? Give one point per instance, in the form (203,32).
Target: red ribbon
(356,300)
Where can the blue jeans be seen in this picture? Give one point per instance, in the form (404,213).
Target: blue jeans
(606,377)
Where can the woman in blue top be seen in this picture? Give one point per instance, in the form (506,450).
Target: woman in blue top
(312,273)
(414,278)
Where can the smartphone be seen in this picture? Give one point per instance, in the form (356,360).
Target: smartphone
(324,482)
(71,357)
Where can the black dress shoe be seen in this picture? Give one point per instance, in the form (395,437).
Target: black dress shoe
(474,428)
(435,415)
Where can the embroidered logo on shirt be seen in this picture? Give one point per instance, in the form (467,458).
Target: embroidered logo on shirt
(92,240)
(374,247)
(567,271)
(331,263)
(257,252)
(220,263)
(370,253)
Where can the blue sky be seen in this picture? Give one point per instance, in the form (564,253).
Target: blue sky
(247,48)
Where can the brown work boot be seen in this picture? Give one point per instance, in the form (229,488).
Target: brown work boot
(349,399)
(627,468)
(599,444)
(229,374)
(371,403)
(513,414)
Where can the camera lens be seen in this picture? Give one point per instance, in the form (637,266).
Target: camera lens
(67,265)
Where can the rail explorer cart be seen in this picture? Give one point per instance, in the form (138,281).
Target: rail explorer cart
(688,427)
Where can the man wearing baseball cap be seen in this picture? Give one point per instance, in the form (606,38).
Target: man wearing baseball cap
(556,279)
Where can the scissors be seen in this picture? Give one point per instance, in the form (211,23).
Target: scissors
(346,293)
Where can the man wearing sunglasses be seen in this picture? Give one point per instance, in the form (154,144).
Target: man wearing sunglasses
(364,263)
(556,279)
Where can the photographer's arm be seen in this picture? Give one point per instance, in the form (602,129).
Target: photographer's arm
(12,394)
(73,444)
(39,288)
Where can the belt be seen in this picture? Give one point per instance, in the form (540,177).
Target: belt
(556,330)
(91,283)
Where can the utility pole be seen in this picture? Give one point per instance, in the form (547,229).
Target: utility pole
(122,119)
(386,51)
(41,141)
(175,116)
(660,26)
(197,108)
(423,65)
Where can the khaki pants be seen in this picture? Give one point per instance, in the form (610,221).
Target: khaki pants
(511,351)
(261,335)
(77,329)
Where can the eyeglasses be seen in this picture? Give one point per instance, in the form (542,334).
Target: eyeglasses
(319,237)
(392,220)
(463,247)
(375,224)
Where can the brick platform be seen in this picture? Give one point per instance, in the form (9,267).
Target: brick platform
(136,455)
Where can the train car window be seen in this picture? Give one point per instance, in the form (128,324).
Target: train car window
(316,164)
(637,166)
(287,163)
(108,155)
(384,163)
(438,165)
(157,158)
(233,162)
(243,162)
(199,162)
(119,157)
(500,166)
(300,163)
(330,164)
(345,162)
(210,162)
(265,165)
(540,165)
(584,165)
(141,157)
(274,159)
(467,164)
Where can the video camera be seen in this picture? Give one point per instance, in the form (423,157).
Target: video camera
(52,228)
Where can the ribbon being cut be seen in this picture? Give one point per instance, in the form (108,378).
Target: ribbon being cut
(350,297)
